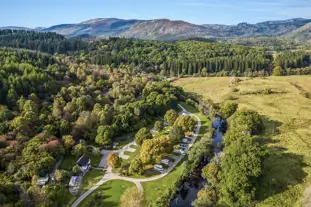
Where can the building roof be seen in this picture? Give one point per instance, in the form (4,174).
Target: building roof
(43,180)
(73,180)
(84,160)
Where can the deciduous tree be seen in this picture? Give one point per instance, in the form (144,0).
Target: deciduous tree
(113,160)
(142,135)
(170,116)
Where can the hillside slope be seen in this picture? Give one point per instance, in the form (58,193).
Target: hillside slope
(286,114)
(95,27)
(301,34)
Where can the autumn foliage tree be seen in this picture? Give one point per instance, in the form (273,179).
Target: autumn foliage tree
(186,122)
(153,150)
(210,172)
(113,160)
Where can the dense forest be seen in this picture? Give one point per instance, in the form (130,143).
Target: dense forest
(254,57)
(49,105)
(45,42)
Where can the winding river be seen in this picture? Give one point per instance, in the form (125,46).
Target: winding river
(191,186)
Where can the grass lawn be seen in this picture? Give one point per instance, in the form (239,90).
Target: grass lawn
(111,191)
(287,119)
(89,179)
(68,162)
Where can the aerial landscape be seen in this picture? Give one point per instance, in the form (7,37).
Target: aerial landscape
(162,104)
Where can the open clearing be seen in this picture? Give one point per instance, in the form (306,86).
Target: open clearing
(111,193)
(286,112)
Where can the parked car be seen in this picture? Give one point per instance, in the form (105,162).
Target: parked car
(158,167)
(182,152)
(182,145)
(165,161)
(185,140)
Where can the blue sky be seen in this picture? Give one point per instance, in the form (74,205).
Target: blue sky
(33,13)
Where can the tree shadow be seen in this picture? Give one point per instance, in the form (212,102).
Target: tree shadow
(271,126)
(280,171)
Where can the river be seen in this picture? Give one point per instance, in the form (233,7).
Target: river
(191,186)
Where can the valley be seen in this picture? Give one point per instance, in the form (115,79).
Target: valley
(121,121)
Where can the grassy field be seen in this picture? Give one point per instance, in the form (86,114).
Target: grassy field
(155,189)
(90,179)
(111,193)
(286,112)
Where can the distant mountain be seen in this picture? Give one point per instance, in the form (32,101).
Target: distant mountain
(16,28)
(301,34)
(95,27)
(165,29)
(268,28)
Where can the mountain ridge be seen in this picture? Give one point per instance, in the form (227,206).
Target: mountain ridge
(166,29)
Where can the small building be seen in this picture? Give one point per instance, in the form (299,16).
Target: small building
(73,181)
(85,163)
(43,180)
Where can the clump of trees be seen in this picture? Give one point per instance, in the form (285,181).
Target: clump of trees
(176,134)
(234,179)
(153,150)
(171,116)
(136,167)
(227,109)
(186,122)
(158,126)
(246,121)
(142,135)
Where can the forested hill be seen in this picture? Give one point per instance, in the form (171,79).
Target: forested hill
(189,57)
(47,42)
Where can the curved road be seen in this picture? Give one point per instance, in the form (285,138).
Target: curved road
(112,176)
